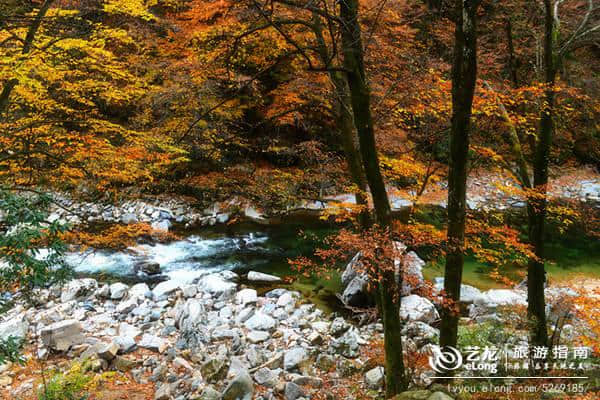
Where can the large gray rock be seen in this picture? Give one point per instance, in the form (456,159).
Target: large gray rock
(240,388)
(165,288)
(108,351)
(421,333)
(152,342)
(338,327)
(127,306)
(412,266)
(355,280)
(503,297)
(139,290)
(78,288)
(355,294)
(468,294)
(246,296)
(189,291)
(254,276)
(293,391)
(484,308)
(257,336)
(254,215)
(286,300)
(293,358)
(163,392)
(126,329)
(216,285)
(244,315)
(125,343)
(189,315)
(266,377)
(347,344)
(351,270)
(309,381)
(147,267)
(62,335)
(118,290)
(16,327)
(261,322)
(417,308)
(374,378)
(162,225)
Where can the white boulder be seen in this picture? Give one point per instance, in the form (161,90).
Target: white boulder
(417,308)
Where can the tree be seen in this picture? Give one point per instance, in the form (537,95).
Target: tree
(353,114)
(389,286)
(68,98)
(537,204)
(27,43)
(556,46)
(464,78)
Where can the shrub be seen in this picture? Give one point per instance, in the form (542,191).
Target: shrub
(69,385)
(481,335)
(76,383)
(31,251)
(10,350)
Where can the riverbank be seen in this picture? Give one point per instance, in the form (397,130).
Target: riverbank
(217,339)
(206,340)
(486,191)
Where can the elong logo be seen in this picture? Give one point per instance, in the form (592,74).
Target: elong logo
(446,359)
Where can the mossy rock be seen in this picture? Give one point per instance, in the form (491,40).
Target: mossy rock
(438,387)
(210,394)
(440,396)
(414,395)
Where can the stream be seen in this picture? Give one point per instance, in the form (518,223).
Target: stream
(243,247)
(240,248)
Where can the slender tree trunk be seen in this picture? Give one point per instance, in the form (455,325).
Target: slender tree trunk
(361,106)
(514,141)
(389,293)
(512,61)
(464,77)
(537,204)
(5,95)
(27,45)
(351,148)
(345,124)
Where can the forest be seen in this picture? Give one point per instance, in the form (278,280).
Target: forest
(299,199)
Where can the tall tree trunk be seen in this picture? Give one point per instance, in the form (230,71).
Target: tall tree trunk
(27,45)
(464,77)
(389,293)
(512,61)
(351,149)
(537,203)
(345,124)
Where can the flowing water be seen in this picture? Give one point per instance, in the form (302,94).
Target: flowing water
(246,246)
(241,248)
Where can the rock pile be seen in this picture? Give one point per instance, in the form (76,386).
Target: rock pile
(207,340)
(214,340)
